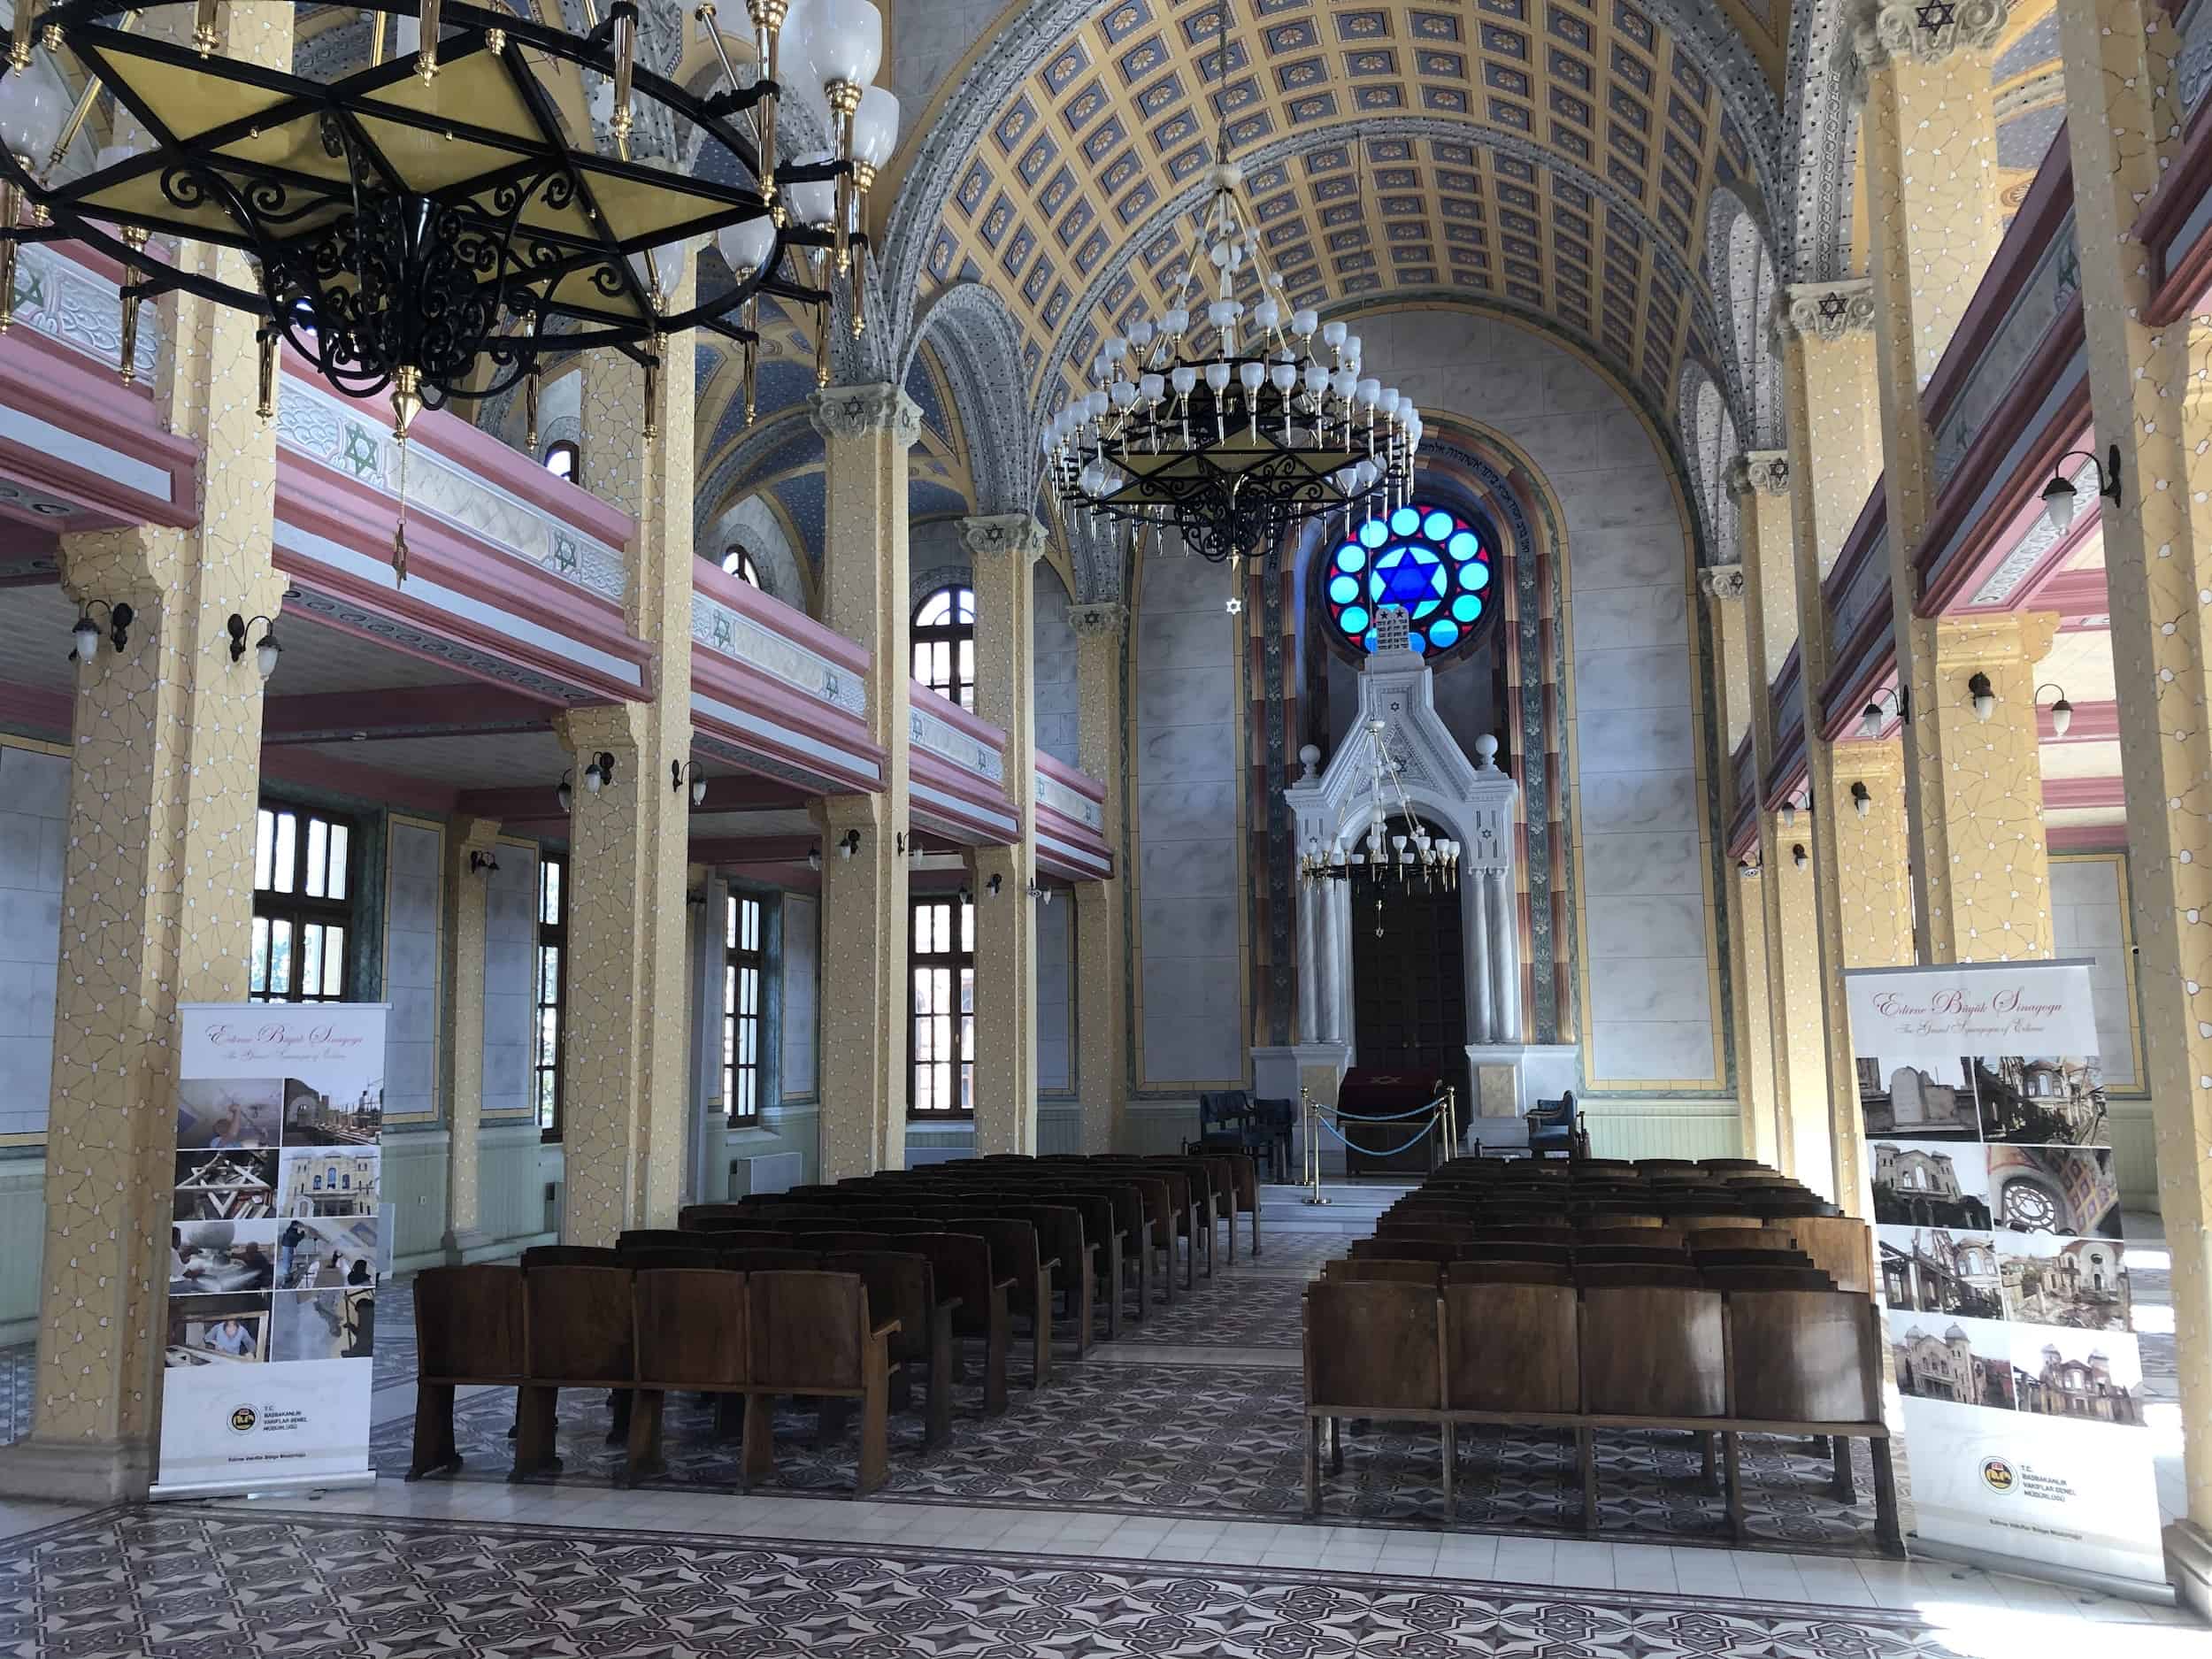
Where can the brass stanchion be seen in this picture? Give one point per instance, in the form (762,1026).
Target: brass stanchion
(1313,1148)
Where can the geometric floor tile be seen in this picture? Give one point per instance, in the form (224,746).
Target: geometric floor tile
(205,1583)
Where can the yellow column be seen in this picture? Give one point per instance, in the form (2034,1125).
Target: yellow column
(471,839)
(1835,456)
(1761,481)
(867,431)
(1003,550)
(1102,1004)
(1725,588)
(2148,387)
(1929,144)
(626,1071)
(156,895)
(1873,853)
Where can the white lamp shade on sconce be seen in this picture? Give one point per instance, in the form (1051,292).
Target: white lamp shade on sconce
(2059,502)
(876,126)
(2061,717)
(86,637)
(813,201)
(265,655)
(698,792)
(845,39)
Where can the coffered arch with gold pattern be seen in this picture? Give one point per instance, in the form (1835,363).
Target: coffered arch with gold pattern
(1553,155)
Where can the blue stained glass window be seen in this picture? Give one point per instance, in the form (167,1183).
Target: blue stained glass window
(1426,559)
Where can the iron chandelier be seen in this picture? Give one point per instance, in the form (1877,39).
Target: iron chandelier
(430,226)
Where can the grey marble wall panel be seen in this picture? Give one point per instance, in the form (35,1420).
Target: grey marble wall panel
(1635,556)
(1613,618)
(1614,866)
(1054,688)
(413,947)
(510,949)
(801,958)
(1651,1051)
(1624,801)
(1055,1030)
(1657,678)
(1180,582)
(1646,738)
(2086,897)
(1205,637)
(1182,870)
(1186,696)
(34,783)
(1186,811)
(1669,990)
(1647,924)
(1186,754)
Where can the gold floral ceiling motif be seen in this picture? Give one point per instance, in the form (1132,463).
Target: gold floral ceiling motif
(1553,155)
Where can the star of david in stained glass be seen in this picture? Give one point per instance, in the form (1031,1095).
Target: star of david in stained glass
(1430,560)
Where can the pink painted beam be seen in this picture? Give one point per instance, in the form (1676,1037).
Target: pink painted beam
(401,711)
(289,764)
(2086,838)
(2092,723)
(724,794)
(43,708)
(69,391)
(2072,593)
(2062,794)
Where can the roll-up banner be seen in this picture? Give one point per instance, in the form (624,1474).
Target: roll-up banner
(2004,1270)
(274,1248)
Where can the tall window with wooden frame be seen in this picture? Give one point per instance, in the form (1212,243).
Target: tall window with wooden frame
(744,963)
(549,993)
(940,954)
(944,644)
(303,906)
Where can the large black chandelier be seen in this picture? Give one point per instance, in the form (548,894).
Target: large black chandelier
(1234,418)
(433,226)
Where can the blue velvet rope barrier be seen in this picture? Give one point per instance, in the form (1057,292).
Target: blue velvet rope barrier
(1387,1117)
(1373,1152)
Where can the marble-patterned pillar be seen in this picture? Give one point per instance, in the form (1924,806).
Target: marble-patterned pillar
(1929,146)
(158,881)
(1761,481)
(626,1055)
(867,431)
(1486,1025)
(1003,550)
(1873,853)
(2146,385)
(1725,588)
(1835,459)
(471,840)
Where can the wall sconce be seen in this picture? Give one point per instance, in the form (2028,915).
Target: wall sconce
(1800,856)
(1870,717)
(1791,809)
(814,857)
(849,843)
(563,793)
(1042,894)
(695,898)
(86,635)
(2059,496)
(1747,867)
(676,771)
(600,772)
(2062,711)
(1862,800)
(482,863)
(993,886)
(899,843)
(264,654)
(1983,695)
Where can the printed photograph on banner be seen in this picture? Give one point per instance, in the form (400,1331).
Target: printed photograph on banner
(1923,1100)
(1935,1270)
(1957,1360)
(2085,1376)
(2067,1190)
(1931,1184)
(325,1252)
(337,1323)
(226,1186)
(211,1257)
(313,1118)
(2041,1100)
(222,1113)
(326,1181)
(2079,1283)
(231,1329)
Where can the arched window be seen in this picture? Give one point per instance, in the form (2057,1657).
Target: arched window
(739,562)
(944,644)
(1434,562)
(563,459)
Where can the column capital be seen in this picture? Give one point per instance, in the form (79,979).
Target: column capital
(608,725)
(1722,581)
(857,411)
(1017,533)
(1825,311)
(1103,619)
(1991,641)
(1765,471)
(474,835)
(1921,31)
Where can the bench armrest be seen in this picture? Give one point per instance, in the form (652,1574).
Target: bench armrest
(889,1328)
(1048,1264)
(950,1304)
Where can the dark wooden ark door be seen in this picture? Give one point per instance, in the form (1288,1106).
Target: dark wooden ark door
(1409,1000)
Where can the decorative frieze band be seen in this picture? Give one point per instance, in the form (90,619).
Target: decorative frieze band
(1825,311)
(1014,534)
(856,411)
(1103,618)
(1722,581)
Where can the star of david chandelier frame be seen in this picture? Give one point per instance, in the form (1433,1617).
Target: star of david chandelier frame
(443,223)
(1232,417)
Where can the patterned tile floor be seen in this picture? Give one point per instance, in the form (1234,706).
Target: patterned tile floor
(212,1581)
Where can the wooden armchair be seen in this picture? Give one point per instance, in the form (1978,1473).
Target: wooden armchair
(693,1336)
(578,1332)
(903,1286)
(1512,1354)
(1016,1257)
(468,1332)
(961,1264)
(810,1335)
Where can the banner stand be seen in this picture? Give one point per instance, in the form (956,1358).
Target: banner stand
(278,1236)
(2159,1593)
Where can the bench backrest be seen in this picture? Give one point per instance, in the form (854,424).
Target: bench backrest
(1804,1357)
(902,1285)
(1653,1351)
(468,1323)
(694,1330)
(577,1322)
(1429,1273)
(1373,1346)
(1512,1346)
(808,1331)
